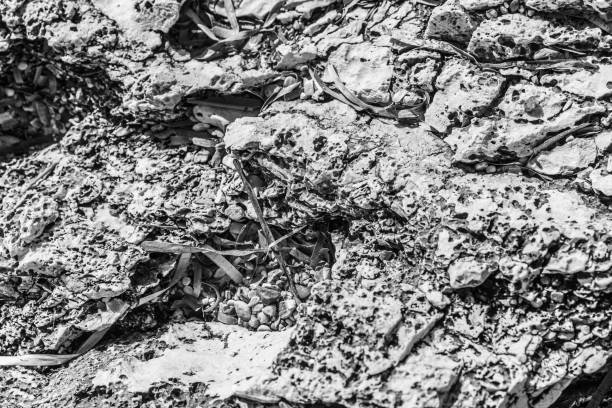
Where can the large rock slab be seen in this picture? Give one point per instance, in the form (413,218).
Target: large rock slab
(586,83)
(365,69)
(464,91)
(500,138)
(518,36)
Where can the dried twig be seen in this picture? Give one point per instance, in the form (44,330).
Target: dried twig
(264,226)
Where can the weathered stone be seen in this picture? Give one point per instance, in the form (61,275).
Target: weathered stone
(268,295)
(601,182)
(526,101)
(463,91)
(243,311)
(142,23)
(365,69)
(480,4)
(288,58)
(586,83)
(601,8)
(603,141)
(467,273)
(516,35)
(566,159)
(503,139)
(450,22)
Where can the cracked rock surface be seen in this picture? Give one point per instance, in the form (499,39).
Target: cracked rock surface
(305,203)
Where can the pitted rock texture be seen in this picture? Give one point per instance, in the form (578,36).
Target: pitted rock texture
(438,177)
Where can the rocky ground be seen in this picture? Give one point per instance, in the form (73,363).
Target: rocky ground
(305,203)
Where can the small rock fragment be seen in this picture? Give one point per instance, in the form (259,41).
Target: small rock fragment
(467,273)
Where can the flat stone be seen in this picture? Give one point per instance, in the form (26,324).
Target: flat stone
(268,295)
(450,21)
(142,24)
(467,273)
(604,141)
(526,101)
(601,183)
(592,84)
(243,311)
(480,4)
(463,91)
(566,159)
(518,36)
(505,139)
(602,8)
(365,70)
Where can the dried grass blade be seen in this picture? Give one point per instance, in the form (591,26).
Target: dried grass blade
(169,248)
(227,267)
(284,237)
(231,15)
(198,21)
(37,360)
(265,227)
(283,92)
(179,272)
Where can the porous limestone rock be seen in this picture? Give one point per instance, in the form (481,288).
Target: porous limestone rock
(464,91)
(450,22)
(480,4)
(517,35)
(601,182)
(586,83)
(468,273)
(526,101)
(365,69)
(566,159)
(141,21)
(496,138)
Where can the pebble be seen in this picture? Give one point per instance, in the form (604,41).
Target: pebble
(263,318)
(234,212)
(302,291)
(263,327)
(253,322)
(226,319)
(243,310)
(268,295)
(269,310)
(254,300)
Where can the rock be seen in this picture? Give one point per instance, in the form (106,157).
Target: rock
(365,70)
(288,58)
(566,159)
(258,9)
(503,139)
(467,273)
(601,182)
(286,308)
(142,23)
(268,295)
(516,35)
(302,291)
(601,8)
(526,101)
(586,83)
(437,299)
(36,217)
(604,141)
(568,263)
(226,319)
(476,5)
(450,22)
(463,91)
(243,311)
(269,311)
